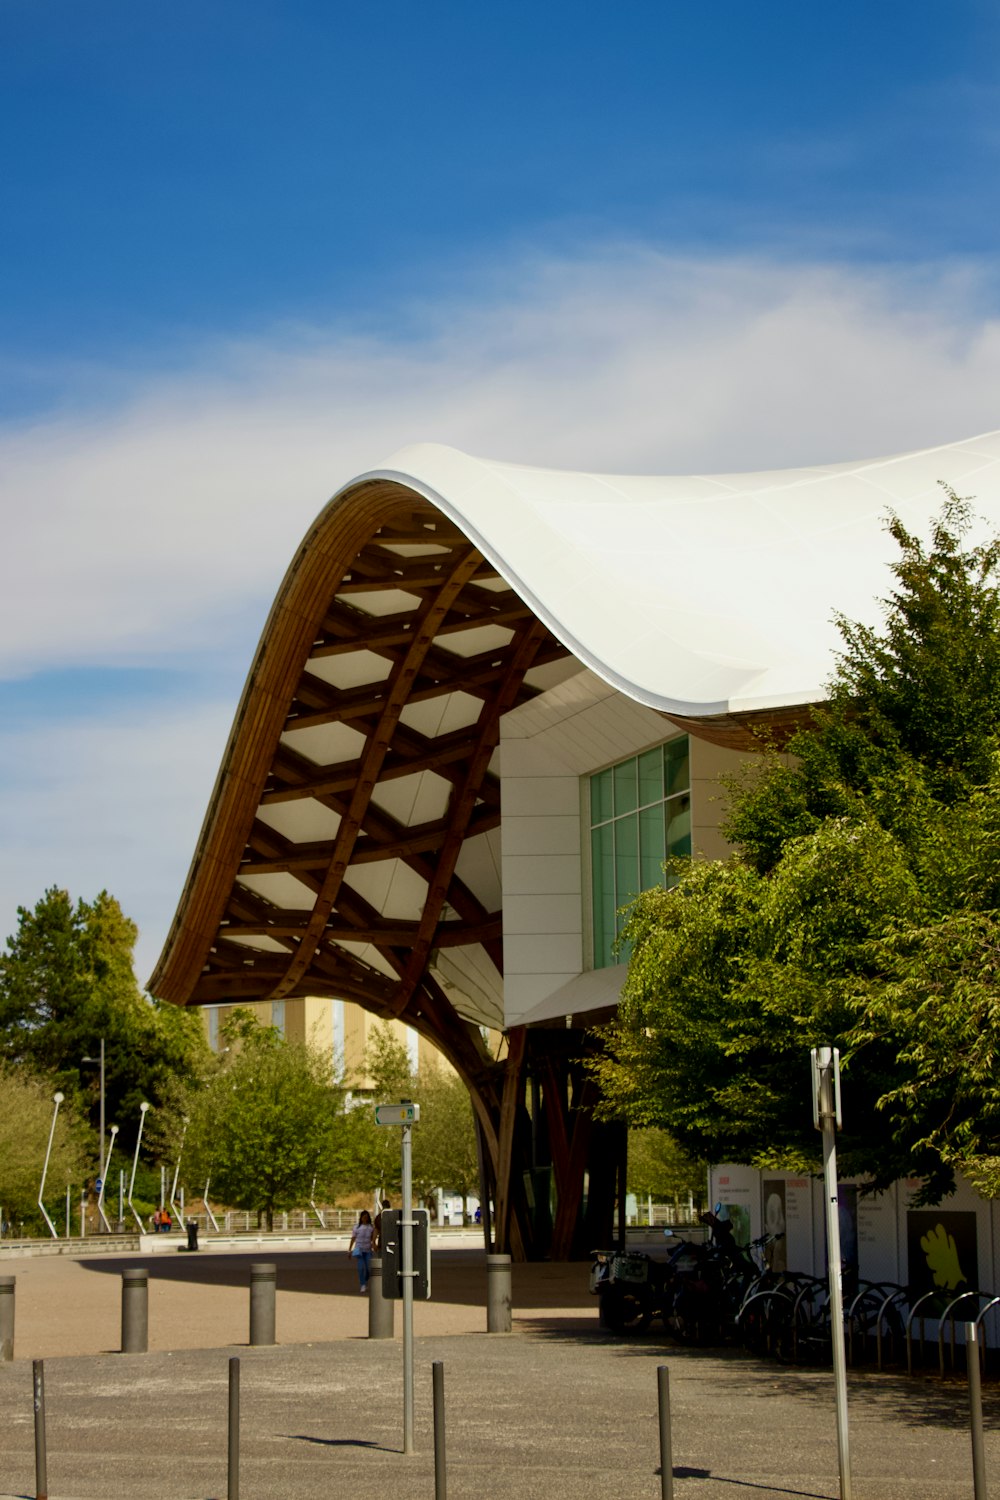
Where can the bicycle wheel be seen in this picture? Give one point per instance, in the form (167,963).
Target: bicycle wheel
(625,1311)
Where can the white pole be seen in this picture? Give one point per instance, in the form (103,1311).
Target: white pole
(826,1071)
(135,1162)
(57,1099)
(104,1182)
(208,1211)
(102,1101)
(177,1172)
(406,1224)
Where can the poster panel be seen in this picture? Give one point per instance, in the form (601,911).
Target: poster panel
(775,1223)
(942,1253)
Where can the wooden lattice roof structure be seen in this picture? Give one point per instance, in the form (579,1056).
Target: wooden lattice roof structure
(352,844)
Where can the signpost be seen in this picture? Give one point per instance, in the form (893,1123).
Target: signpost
(405,1114)
(826,1117)
(391,1240)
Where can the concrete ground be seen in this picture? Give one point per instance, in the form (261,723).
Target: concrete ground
(557,1409)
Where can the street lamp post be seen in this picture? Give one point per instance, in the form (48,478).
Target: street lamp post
(100,1062)
(104,1180)
(177,1171)
(135,1162)
(58,1099)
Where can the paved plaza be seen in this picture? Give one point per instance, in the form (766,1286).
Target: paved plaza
(558,1408)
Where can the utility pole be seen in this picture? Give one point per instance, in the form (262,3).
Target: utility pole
(826,1117)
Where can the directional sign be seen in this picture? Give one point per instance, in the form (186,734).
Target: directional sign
(397,1114)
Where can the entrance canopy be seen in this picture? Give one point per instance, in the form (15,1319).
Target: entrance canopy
(352,843)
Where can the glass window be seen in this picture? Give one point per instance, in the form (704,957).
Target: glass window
(601,803)
(650,777)
(676,770)
(640,814)
(626,790)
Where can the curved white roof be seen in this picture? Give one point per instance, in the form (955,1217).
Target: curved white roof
(705,594)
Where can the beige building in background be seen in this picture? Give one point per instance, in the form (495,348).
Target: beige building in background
(333,1026)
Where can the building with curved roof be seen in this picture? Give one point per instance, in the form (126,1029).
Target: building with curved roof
(487,702)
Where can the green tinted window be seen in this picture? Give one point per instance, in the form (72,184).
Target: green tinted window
(676,771)
(601,803)
(650,777)
(626,793)
(602,849)
(640,813)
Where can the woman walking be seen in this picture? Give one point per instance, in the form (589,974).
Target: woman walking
(361,1247)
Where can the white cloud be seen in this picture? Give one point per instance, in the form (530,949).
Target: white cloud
(159,530)
(150,529)
(111,804)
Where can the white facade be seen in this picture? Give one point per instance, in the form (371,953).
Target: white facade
(548,750)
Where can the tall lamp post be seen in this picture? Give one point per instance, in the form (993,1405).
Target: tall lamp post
(104,1181)
(58,1099)
(99,1061)
(143,1107)
(177,1171)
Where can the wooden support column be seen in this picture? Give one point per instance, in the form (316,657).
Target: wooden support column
(509,1233)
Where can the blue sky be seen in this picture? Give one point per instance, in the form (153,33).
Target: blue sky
(249,250)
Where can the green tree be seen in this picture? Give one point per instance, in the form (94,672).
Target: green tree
(861,909)
(371,1159)
(444,1140)
(267,1123)
(26,1111)
(66,982)
(660,1169)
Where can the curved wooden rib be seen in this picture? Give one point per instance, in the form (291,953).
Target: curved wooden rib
(385,578)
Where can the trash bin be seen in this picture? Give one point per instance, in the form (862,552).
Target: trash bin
(192,1229)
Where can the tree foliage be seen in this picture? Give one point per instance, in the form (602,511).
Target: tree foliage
(26,1111)
(267,1123)
(66,982)
(661,1169)
(861,909)
(444,1139)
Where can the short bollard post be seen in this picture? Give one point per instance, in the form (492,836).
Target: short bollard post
(666,1447)
(381,1310)
(975,1411)
(7,1317)
(498,1315)
(263,1277)
(135,1311)
(440,1466)
(233,1467)
(41,1460)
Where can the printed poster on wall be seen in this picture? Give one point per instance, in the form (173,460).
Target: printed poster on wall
(942,1250)
(775,1222)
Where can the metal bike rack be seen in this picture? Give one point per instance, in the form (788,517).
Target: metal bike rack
(949,1315)
(807,1290)
(765,1297)
(927,1297)
(903,1295)
(868,1291)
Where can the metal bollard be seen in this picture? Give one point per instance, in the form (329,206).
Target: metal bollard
(440,1466)
(975,1411)
(135,1311)
(233,1466)
(498,1304)
(7,1317)
(381,1309)
(666,1446)
(41,1458)
(263,1278)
